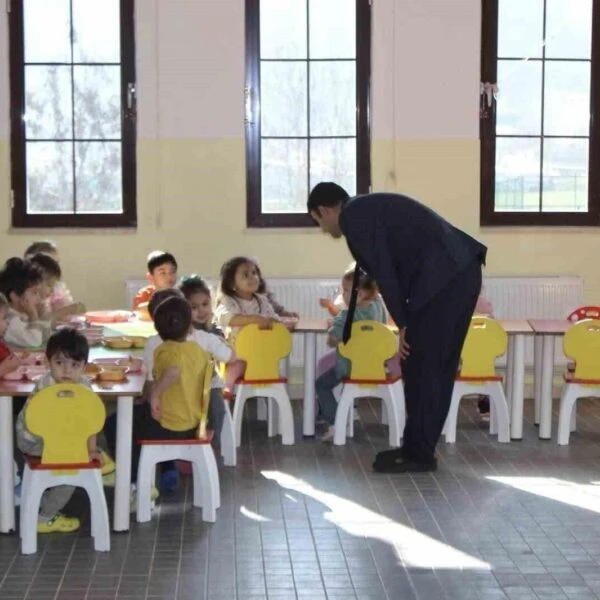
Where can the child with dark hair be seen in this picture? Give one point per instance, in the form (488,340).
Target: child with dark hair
(47,247)
(178,370)
(239,303)
(67,353)
(8,360)
(198,294)
(54,305)
(20,282)
(367,309)
(162,274)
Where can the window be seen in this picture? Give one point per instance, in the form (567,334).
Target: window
(72,87)
(307,104)
(540,140)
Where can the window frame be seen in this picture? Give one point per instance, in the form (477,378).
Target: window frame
(489,70)
(20,217)
(255,218)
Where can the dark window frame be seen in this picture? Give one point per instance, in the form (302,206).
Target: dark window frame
(20,217)
(254,215)
(489,65)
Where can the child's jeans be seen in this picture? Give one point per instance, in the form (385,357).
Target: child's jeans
(325,385)
(216,413)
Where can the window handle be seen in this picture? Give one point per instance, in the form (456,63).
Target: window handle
(248,120)
(130,94)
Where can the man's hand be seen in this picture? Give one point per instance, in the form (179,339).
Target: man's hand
(404,348)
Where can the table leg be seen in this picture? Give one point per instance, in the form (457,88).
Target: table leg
(517,391)
(545,431)
(123,476)
(510,368)
(538,342)
(7,472)
(310,359)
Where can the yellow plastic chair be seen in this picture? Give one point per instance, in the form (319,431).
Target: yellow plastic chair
(486,340)
(65,416)
(370,346)
(263,349)
(582,344)
(198,451)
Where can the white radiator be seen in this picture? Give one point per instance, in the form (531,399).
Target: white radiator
(512,297)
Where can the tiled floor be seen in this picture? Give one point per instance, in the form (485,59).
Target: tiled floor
(313,521)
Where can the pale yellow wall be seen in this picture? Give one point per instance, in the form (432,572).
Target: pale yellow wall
(191,172)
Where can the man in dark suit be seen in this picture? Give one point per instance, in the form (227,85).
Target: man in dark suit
(429,274)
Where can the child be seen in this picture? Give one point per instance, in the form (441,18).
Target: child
(53,305)
(367,309)
(60,296)
(213,345)
(67,354)
(263,289)
(198,294)
(162,274)
(20,282)
(239,303)
(178,378)
(327,361)
(8,360)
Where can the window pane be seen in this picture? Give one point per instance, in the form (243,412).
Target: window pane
(568,28)
(333,98)
(565,176)
(96,31)
(567,98)
(519,106)
(48,102)
(49,177)
(283,29)
(334,160)
(520,28)
(283,98)
(98,177)
(332,28)
(283,173)
(97,102)
(517,174)
(40,17)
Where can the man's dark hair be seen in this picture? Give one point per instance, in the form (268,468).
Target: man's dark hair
(159,296)
(41,246)
(50,268)
(69,342)
(158,258)
(327,194)
(173,318)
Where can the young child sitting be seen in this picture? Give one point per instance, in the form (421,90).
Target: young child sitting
(51,272)
(67,354)
(162,274)
(198,294)
(214,345)
(178,372)
(60,296)
(367,309)
(239,303)
(20,282)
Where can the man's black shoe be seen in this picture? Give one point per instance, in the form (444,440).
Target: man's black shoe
(404,465)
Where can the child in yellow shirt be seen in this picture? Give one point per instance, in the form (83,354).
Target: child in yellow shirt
(174,409)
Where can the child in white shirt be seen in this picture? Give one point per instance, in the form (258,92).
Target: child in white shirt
(239,303)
